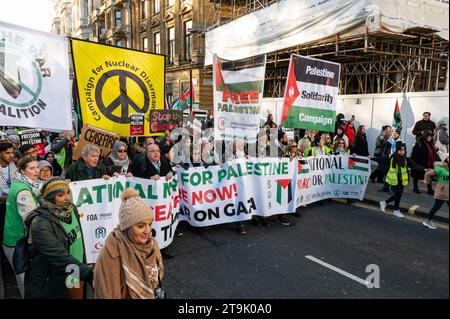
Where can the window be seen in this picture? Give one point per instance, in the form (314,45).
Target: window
(119,43)
(144,9)
(145,43)
(85,12)
(170,3)
(118,18)
(171,44)
(188,40)
(156,6)
(157,43)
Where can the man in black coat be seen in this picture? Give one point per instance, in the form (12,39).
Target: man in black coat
(424,125)
(153,165)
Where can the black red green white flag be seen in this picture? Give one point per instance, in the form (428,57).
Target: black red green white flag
(311,94)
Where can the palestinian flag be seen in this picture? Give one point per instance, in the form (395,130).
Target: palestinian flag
(291,92)
(359,164)
(283,184)
(184,101)
(301,167)
(397,121)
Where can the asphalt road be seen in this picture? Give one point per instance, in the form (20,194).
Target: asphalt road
(270,262)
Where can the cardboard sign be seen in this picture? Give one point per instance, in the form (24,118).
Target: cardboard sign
(33,137)
(104,140)
(137,124)
(161,120)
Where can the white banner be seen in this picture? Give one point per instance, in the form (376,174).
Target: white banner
(218,195)
(98,203)
(236,191)
(336,176)
(289,23)
(238,93)
(35,90)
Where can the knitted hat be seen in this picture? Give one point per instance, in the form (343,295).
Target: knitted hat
(400,145)
(133,209)
(52,187)
(44,163)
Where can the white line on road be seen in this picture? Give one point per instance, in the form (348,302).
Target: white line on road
(340,271)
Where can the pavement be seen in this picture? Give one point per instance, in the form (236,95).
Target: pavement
(412,203)
(329,252)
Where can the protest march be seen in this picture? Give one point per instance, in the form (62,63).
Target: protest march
(100,175)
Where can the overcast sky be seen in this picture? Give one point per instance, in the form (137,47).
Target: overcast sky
(35,14)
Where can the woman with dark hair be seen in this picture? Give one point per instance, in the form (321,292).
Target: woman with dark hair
(57,169)
(424,154)
(22,200)
(57,242)
(397,176)
(361,147)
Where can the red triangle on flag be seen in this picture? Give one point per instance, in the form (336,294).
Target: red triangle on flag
(299,166)
(219,78)
(291,93)
(284,182)
(351,163)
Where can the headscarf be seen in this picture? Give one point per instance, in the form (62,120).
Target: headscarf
(123,164)
(141,265)
(35,185)
(47,199)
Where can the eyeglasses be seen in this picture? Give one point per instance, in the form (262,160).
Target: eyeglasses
(34,151)
(45,169)
(122,151)
(341,143)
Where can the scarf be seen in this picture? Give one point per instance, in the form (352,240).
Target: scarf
(123,164)
(141,265)
(62,212)
(35,185)
(393,145)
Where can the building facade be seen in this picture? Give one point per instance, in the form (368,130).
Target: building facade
(175,28)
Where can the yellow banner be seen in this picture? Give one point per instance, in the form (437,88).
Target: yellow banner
(114,82)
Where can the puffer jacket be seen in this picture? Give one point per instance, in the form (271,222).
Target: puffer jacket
(46,277)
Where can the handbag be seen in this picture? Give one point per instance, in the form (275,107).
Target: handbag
(439,146)
(22,255)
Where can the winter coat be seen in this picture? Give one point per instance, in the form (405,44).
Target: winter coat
(420,156)
(441,190)
(111,168)
(110,273)
(382,150)
(350,133)
(360,147)
(422,126)
(143,168)
(46,277)
(77,171)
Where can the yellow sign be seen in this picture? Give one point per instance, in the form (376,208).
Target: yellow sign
(114,83)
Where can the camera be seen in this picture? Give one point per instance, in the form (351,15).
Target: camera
(160,293)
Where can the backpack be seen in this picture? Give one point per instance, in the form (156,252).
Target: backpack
(23,255)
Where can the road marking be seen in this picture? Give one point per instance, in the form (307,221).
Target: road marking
(412,209)
(376,209)
(340,271)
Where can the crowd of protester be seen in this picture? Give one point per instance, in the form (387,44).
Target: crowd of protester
(35,193)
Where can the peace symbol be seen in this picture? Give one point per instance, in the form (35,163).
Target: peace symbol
(122,100)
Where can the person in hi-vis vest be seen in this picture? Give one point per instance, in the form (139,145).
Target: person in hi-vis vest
(397,176)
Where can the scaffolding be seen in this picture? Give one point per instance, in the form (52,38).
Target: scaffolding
(371,62)
(224,11)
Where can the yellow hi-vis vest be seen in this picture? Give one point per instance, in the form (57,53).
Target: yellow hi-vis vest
(391,177)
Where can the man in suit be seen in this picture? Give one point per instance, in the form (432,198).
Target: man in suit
(153,165)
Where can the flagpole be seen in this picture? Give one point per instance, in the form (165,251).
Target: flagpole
(190,89)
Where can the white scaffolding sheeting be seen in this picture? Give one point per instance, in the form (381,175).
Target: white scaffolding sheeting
(295,22)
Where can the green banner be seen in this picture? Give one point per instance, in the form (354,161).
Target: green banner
(311,118)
